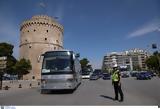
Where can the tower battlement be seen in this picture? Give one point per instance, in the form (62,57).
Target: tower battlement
(41,20)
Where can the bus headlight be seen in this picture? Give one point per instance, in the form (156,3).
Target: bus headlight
(70,79)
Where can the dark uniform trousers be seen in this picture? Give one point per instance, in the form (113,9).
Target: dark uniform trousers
(117,89)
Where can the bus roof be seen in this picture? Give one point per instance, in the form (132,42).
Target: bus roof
(59,51)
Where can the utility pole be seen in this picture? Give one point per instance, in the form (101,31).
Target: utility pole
(2,69)
(154,46)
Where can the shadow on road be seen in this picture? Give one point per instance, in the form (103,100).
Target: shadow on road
(62,92)
(108,97)
(57,92)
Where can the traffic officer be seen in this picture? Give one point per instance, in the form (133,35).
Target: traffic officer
(117,83)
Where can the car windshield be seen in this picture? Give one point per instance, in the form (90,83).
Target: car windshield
(61,63)
(106,74)
(94,74)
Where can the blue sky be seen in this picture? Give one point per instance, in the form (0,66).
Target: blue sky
(91,27)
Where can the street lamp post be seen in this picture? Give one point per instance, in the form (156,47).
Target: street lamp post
(2,68)
(154,46)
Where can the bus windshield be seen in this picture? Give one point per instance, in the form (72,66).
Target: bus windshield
(86,73)
(57,63)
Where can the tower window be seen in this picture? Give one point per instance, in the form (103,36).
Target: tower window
(30,46)
(33,77)
(47,31)
(34,30)
(57,41)
(45,39)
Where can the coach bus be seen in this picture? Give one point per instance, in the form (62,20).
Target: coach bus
(60,70)
(86,73)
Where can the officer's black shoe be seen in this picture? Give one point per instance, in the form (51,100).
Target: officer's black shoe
(121,100)
(115,99)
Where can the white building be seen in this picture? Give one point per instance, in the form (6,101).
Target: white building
(132,58)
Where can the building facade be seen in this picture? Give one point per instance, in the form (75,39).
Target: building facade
(37,35)
(132,59)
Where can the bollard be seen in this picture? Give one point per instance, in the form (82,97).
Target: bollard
(38,83)
(20,86)
(6,88)
(30,85)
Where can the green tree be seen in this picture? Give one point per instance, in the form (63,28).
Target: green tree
(105,70)
(85,64)
(137,68)
(153,62)
(22,67)
(10,65)
(7,51)
(156,53)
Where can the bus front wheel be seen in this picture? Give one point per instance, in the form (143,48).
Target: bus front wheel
(43,91)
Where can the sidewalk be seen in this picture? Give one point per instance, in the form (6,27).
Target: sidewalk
(18,84)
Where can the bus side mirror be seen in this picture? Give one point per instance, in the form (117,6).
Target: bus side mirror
(77,55)
(39,58)
(72,65)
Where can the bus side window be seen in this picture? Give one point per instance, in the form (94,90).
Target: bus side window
(77,65)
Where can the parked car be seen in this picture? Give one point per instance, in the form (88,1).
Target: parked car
(98,72)
(143,76)
(151,73)
(124,75)
(101,75)
(10,77)
(134,74)
(154,74)
(106,76)
(94,77)
(147,73)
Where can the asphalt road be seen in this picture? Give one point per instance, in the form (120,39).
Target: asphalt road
(99,92)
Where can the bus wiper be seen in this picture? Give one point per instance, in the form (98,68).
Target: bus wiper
(52,70)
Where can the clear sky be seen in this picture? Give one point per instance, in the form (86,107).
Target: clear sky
(91,27)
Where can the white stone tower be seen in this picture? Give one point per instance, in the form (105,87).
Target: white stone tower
(38,35)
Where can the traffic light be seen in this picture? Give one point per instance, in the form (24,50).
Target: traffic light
(154,46)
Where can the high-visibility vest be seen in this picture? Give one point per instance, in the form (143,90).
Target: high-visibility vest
(115,76)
